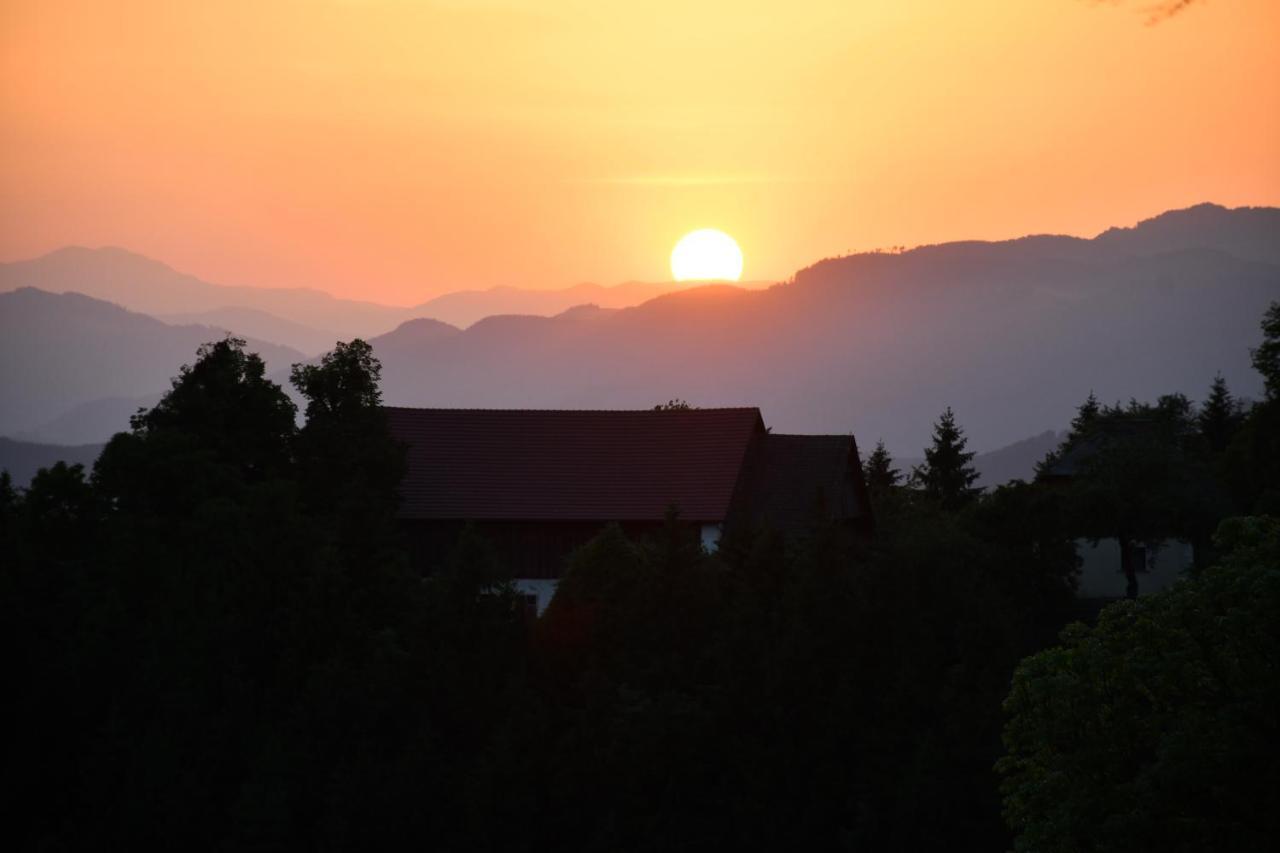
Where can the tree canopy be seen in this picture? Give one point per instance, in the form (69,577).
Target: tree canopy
(1157,728)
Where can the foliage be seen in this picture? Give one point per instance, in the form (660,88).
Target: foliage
(1157,728)
(1220,416)
(1266,357)
(217,641)
(947,475)
(879,472)
(349,467)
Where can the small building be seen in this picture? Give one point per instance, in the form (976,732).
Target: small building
(539,483)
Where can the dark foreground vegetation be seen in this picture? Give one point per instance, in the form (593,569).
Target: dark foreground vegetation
(215,641)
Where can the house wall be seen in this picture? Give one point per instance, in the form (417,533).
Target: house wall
(1101,577)
(710,535)
(541,589)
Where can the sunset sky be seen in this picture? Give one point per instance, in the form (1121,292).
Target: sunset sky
(392,150)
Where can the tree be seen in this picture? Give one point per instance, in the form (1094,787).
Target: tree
(1252,460)
(1086,416)
(221,428)
(1266,357)
(1220,416)
(350,467)
(880,473)
(673,405)
(225,404)
(1156,729)
(947,475)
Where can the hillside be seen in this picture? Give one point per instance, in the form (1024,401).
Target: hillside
(252,323)
(60,351)
(466,307)
(150,287)
(1012,334)
(23,458)
(306,320)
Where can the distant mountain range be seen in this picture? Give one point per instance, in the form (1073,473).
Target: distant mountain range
(469,306)
(306,320)
(150,287)
(58,351)
(23,458)
(1012,334)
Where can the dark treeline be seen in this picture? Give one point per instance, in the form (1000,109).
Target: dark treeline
(217,642)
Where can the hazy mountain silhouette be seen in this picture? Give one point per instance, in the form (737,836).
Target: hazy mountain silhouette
(150,287)
(1012,334)
(92,421)
(23,458)
(466,307)
(61,350)
(252,323)
(307,320)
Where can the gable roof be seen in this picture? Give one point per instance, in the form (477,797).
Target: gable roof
(579,465)
(792,480)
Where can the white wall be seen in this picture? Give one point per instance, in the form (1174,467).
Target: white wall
(1100,575)
(711,537)
(541,588)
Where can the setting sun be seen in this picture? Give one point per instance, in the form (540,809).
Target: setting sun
(706,254)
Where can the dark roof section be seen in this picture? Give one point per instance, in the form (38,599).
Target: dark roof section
(537,465)
(794,480)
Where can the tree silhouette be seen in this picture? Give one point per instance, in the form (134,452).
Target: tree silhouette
(1220,416)
(1155,729)
(349,466)
(947,475)
(1266,357)
(879,471)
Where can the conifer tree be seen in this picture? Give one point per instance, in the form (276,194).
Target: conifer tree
(1220,416)
(947,474)
(1087,416)
(880,473)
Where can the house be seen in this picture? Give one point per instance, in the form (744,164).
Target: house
(539,483)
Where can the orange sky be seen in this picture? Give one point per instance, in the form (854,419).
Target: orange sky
(393,149)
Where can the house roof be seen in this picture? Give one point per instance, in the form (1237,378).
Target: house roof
(537,465)
(793,480)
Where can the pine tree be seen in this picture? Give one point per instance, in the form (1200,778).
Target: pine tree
(881,475)
(1220,416)
(947,474)
(1086,416)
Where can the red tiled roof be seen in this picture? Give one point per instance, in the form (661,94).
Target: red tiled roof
(480,464)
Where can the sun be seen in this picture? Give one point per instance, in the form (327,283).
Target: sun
(706,254)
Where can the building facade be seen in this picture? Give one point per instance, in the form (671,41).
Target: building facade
(539,483)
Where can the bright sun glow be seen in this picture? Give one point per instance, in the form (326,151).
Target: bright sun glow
(706,254)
